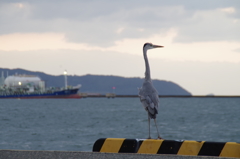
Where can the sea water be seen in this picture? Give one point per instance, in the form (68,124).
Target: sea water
(75,124)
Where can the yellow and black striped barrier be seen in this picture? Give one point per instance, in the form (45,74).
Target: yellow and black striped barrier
(177,147)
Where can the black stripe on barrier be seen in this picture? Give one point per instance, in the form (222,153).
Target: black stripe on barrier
(211,148)
(129,146)
(169,147)
(98,145)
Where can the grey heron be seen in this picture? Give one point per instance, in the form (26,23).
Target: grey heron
(147,93)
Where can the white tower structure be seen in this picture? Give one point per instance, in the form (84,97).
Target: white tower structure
(65,76)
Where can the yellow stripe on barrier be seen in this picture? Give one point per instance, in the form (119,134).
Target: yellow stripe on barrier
(112,145)
(150,146)
(190,148)
(231,149)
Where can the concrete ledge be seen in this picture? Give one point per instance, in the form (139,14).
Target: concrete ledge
(152,146)
(18,154)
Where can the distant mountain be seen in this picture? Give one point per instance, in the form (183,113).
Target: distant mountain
(103,84)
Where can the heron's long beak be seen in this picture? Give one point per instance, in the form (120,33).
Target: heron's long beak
(157,46)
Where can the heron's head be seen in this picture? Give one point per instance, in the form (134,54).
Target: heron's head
(148,46)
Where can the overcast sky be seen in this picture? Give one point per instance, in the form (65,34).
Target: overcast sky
(201,40)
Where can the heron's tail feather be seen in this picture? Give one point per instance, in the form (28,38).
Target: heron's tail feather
(152,112)
(152,116)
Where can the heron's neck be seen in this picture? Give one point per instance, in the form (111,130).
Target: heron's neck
(147,72)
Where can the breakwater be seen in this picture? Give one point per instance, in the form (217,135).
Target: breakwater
(177,147)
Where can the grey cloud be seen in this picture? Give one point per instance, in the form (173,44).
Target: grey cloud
(209,27)
(97,22)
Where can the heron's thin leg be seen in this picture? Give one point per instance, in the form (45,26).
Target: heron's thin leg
(149,128)
(157,128)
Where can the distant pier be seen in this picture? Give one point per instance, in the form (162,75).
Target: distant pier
(111,95)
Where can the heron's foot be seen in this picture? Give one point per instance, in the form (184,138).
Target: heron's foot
(149,137)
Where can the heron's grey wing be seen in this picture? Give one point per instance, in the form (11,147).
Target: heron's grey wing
(149,100)
(147,104)
(149,90)
(151,106)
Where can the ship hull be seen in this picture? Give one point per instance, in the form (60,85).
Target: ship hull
(70,93)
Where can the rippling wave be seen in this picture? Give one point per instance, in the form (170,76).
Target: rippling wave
(75,124)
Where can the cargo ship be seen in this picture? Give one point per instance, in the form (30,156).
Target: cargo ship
(32,87)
